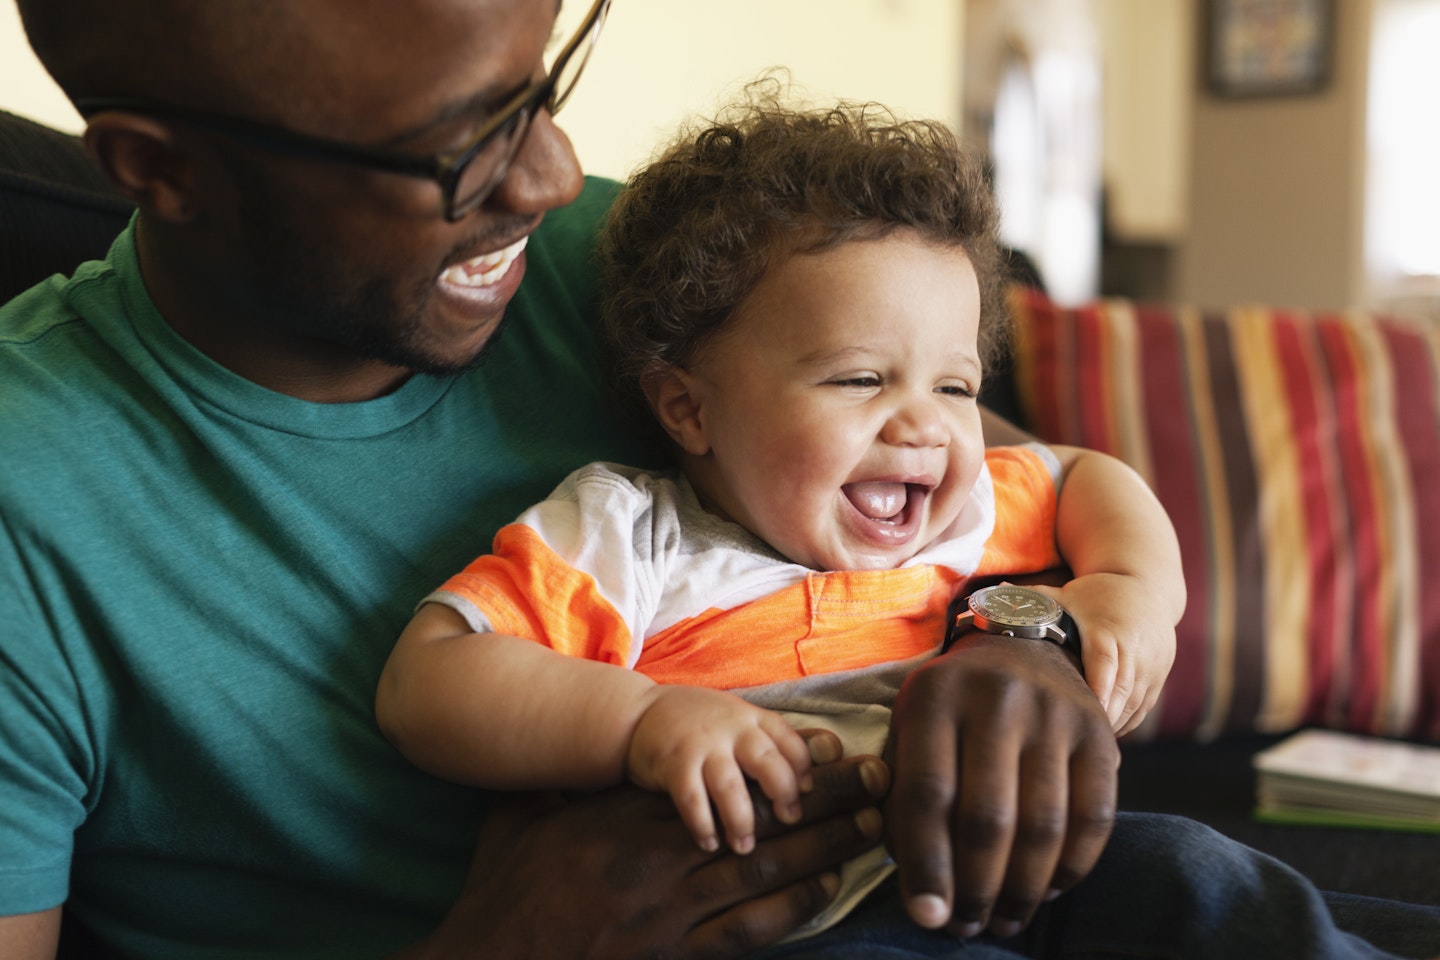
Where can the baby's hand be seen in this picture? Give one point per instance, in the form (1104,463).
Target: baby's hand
(699,745)
(1126,643)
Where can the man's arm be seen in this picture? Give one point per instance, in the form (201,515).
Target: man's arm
(1000,432)
(30,936)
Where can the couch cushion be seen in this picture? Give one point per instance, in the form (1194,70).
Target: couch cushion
(56,208)
(1299,457)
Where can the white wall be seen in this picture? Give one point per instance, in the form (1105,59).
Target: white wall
(662,60)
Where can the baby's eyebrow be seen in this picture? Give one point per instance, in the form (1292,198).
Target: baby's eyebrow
(822,357)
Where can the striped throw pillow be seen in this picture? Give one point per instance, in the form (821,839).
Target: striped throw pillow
(1298,455)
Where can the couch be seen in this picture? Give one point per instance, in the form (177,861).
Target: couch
(1298,455)
(1314,568)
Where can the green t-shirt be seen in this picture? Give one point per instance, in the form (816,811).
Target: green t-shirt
(201,580)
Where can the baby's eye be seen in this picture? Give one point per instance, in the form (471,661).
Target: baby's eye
(862,381)
(958,390)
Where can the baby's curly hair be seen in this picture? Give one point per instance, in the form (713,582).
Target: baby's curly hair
(693,232)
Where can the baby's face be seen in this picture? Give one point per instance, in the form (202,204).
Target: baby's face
(837,413)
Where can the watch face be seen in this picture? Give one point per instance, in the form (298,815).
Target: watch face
(1014,606)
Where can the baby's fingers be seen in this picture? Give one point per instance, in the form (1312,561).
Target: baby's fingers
(1101,660)
(731,797)
(692,800)
(779,761)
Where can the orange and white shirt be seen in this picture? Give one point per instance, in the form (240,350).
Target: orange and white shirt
(626,567)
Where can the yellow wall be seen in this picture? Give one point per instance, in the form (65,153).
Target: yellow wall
(25,87)
(662,60)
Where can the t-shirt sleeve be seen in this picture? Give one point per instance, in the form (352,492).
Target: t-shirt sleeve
(45,757)
(1027,481)
(573,572)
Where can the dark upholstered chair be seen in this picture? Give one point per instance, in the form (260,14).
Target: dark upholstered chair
(56,208)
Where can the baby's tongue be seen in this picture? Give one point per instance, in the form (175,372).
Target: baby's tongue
(878,501)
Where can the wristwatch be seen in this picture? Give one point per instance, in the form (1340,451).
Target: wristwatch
(1014,611)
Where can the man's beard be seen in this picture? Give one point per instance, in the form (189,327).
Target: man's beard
(308,288)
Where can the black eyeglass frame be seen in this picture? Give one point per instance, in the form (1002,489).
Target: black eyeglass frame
(445,169)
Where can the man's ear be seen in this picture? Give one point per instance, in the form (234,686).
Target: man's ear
(144,159)
(676,404)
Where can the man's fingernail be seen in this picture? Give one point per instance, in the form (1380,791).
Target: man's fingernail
(823,749)
(869,821)
(876,776)
(930,911)
(1052,894)
(830,883)
(969,930)
(1004,928)
(807,783)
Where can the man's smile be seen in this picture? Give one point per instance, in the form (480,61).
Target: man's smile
(485,270)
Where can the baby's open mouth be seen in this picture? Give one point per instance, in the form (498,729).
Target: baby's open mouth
(484,270)
(886,501)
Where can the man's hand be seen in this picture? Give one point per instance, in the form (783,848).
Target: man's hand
(616,874)
(700,745)
(1005,777)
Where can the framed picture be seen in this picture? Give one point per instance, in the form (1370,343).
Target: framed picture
(1263,48)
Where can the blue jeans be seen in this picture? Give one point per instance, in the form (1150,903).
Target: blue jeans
(1166,888)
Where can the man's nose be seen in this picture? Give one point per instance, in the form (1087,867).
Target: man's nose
(545,173)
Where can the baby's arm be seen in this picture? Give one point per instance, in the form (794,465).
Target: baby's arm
(1128,590)
(508,713)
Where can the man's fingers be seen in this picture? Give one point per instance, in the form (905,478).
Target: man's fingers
(780,861)
(1041,825)
(761,921)
(919,814)
(983,828)
(1094,772)
(840,787)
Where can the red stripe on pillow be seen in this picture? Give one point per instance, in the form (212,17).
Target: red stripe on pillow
(1366,653)
(1177,481)
(1311,428)
(1413,365)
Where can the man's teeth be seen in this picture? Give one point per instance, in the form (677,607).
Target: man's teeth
(486,270)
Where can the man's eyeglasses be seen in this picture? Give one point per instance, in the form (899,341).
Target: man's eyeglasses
(466,177)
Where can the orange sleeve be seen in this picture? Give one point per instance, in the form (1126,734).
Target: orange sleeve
(526,590)
(1025,505)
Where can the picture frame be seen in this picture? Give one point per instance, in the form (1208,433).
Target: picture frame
(1268,48)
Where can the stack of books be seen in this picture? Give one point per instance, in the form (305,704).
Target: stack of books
(1328,778)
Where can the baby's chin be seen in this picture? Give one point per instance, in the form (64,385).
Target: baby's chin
(828,561)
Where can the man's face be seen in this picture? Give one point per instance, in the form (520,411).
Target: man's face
(360,262)
(837,408)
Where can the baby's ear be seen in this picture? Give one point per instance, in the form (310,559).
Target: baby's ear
(676,404)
